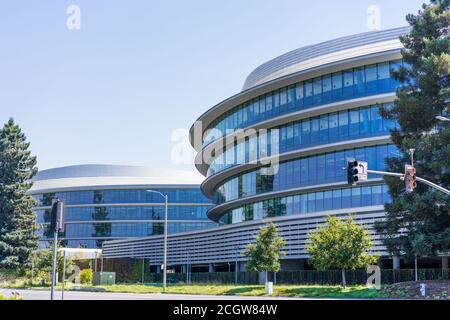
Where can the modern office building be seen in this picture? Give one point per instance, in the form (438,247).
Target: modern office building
(312,108)
(106,202)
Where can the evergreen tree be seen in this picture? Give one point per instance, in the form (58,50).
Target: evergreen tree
(17,219)
(339,245)
(424,94)
(264,255)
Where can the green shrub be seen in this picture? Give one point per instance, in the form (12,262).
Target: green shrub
(86,276)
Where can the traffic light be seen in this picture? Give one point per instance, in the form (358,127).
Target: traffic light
(352,172)
(57,216)
(357,171)
(410,178)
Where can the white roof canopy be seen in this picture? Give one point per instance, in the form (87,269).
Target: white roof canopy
(80,253)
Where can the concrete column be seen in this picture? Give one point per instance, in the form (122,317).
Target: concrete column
(444,263)
(395,263)
(183,268)
(210,267)
(158,268)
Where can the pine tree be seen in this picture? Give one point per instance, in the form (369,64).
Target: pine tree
(17,219)
(423,95)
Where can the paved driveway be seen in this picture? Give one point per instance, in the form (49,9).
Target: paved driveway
(83,295)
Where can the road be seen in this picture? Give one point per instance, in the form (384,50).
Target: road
(84,295)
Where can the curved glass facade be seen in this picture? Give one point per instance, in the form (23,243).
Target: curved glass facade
(298,156)
(357,123)
(339,86)
(94,216)
(184,212)
(335,199)
(308,171)
(122,196)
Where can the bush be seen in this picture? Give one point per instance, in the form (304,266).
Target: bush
(7,275)
(86,276)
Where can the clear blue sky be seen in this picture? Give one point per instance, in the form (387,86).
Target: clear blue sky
(115,90)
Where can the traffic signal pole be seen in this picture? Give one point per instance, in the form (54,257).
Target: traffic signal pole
(402,175)
(55,248)
(433,185)
(56,225)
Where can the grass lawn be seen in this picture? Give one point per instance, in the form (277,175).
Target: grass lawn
(307,291)
(255,290)
(3,298)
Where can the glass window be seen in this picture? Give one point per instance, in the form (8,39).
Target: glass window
(356,197)
(384,76)
(348,83)
(328,200)
(343,124)
(366,196)
(299,94)
(382,153)
(306,132)
(317,90)
(311,202)
(276,103)
(330,167)
(377,196)
(354,123)
(365,122)
(312,167)
(321,164)
(371,78)
(308,100)
(262,107)
(326,85)
(304,171)
(291,98)
(377,120)
(337,199)
(340,162)
(337,85)
(283,100)
(359,80)
(333,127)
(319,201)
(324,128)
(346,198)
(269,104)
(303,203)
(315,130)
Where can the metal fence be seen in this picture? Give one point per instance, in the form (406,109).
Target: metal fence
(304,277)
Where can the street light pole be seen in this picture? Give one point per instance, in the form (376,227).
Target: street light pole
(166,203)
(165,244)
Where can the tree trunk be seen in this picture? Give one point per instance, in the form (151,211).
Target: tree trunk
(344,282)
(266,276)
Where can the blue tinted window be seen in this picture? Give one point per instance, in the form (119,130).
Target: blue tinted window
(317,83)
(359,81)
(348,83)
(337,92)
(324,128)
(327,89)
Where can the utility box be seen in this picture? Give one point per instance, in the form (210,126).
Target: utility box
(104,278)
